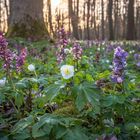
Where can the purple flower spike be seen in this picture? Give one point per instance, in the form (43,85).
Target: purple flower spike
(77,51)
(119,63)
(62,43)
(3,45)
(21,59)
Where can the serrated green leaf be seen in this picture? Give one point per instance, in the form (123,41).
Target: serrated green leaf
(22,124)
(19,99)
(53,90)
(87,94)
(20,85)
(75,133)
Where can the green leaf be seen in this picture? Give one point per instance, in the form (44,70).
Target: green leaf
(40,129)
(105,74)
(23,135)
(2,97)
(22,124)
(60,131)
(87,93)
(113,99)
(20,85)
(89,78)
(58,123)
(19,99)
(80,101)
(53,90)
(75,133)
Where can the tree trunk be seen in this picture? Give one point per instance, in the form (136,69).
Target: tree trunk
(88,17)
(26,19)
(130,21)
(110,20)
(74,20)
(50,16)
(102,5)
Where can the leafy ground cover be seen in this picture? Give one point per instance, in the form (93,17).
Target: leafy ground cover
(73,90)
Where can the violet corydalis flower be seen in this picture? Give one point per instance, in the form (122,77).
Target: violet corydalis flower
(62,43)
(77,51)
(21,59)
(5,54)
(62,37)
(137,59)
(8,58)
(3,45)
(119,63)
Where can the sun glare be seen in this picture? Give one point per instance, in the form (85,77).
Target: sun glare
(55,3)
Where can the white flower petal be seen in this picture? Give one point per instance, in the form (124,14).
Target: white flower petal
(67,71)
(31,67)
(2,82)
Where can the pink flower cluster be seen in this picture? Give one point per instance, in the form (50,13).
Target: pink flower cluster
(8,56)
(62,43)
(77,51)
(20,60)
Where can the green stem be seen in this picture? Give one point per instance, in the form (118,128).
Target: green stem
(35,73)
(13,105)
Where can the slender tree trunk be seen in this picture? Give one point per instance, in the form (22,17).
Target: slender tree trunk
(74,21)
(130,21)
(84,15)
(102,3)
(50,16)
(88,17)
(110,20)
(138,22)
(26,19)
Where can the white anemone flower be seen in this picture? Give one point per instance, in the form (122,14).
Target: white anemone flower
(107,61)
(2,82)
(67,71)
(31,67)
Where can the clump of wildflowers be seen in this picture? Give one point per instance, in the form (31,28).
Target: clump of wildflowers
(8,57)
(77,51)
(20,60)
(3,45)
(5,54)
(62,37)
(119,63)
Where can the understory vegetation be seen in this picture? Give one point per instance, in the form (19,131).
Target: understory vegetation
(70,90)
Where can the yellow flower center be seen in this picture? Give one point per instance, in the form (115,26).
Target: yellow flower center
(66,71)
